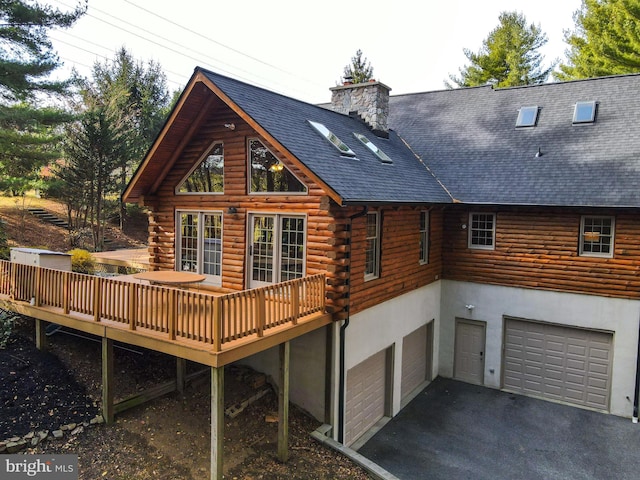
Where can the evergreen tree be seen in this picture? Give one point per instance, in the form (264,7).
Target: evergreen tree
(28,136)
(92,146)
(606,40)
(359,70)
(139,94)
(509,56)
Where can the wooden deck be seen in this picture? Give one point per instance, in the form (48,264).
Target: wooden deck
(206,328)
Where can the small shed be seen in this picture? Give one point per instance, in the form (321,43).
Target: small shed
(41,258)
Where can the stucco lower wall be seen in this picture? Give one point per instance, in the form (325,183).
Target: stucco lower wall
(493,303)
(307,370)
(384,326)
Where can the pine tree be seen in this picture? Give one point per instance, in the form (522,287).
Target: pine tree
(28,135)
(359,70)
(606,40)
(509,56)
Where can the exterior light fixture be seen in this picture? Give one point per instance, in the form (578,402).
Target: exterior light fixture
(276,167)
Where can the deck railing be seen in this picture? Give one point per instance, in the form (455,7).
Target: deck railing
(172,312)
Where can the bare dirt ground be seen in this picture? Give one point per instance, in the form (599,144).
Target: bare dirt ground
(167,438)
(25,230)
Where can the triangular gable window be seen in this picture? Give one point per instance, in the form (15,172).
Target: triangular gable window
(208,175)
(268,174)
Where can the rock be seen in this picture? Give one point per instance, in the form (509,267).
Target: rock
(97,420)
(35,441)
(13,447)
(58,434)
(68,427)
(29,435)
(42,434)
(3,447)
(77,430)
(14,439)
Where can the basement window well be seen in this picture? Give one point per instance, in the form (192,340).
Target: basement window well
(384,158)
(342,147)
(584,112)
(527,117)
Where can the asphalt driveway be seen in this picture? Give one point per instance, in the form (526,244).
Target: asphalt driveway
(453,430)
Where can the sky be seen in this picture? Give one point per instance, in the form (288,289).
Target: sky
(300,48)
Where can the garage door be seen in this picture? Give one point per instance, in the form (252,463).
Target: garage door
(560,363)
(365,402)
(415,364)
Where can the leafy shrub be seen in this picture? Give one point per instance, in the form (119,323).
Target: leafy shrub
(82,261)
(6,326)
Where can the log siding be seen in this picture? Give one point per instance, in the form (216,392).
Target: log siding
(400,268)
(314,205)
(539,248)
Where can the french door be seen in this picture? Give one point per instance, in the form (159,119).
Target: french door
(200,244)
(276,248)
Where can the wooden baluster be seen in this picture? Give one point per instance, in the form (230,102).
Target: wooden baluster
(36,295)
(173,313)
(133,305)
(295,302)
(217,324)
(66,291)
(97,298)
(262,311)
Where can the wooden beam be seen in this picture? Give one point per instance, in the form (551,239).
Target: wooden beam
(181,374)
(108,411)
(217,421)
(283,403)
(41,335)
(144,397)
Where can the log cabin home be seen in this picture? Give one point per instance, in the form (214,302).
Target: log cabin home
(489,235)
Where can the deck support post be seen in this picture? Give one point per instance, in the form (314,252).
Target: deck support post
(41,335)
(181,374)
(217,421)
(107,380)
(283,403)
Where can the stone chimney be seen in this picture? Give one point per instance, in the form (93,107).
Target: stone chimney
(369,100)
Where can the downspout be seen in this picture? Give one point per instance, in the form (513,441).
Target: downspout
(635,392)
(343,328)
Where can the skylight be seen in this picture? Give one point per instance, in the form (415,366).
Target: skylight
(379,153)
(335,141)
(527,117)
(585,112)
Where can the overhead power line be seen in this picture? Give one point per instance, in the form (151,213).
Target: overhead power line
(179,52)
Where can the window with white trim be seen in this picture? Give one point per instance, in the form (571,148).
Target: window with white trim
(199,244)
(482,230)
(372,252)
(597,236)
(424,237)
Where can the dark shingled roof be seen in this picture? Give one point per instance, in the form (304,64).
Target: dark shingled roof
(361,180)
(468,139)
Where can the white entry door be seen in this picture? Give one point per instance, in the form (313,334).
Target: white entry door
(276,249)
(468,363)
